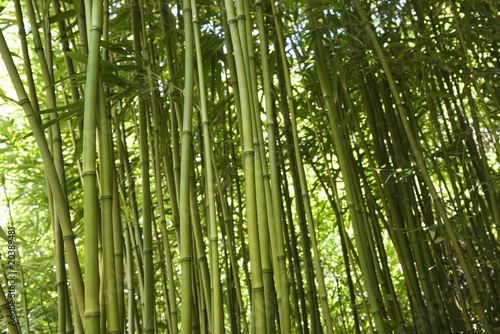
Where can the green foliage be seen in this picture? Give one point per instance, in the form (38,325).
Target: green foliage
(392,116)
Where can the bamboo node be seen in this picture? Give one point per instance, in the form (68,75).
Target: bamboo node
(98,314)
(96,28)
(252,153)
(106,197)
(69,237)
(258,289)
(23,101)
(241,17)
(89,174)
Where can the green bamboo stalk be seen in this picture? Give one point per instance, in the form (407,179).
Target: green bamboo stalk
(355,260)
(11,324)
(82,27)
(47,38)
(171,305)
(175,127)
(233,78)
(293,285)
(58,258)
(102,298)
(276,194)
(216,315)
(24,297)
(230,237)
(233,83)
(130,281)
(91,205)
(203,275)
(170,275)
(62,289)
(70,69)
(185,188)
(148,294)
(118,242)
(106,173)
(164,279)
(136,229)
(170,50)
(26,58)
(263,189)
(231,301)
(294,260)
(171,183)
(259,310)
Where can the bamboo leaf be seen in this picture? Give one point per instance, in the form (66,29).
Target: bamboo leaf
(3,235)
(63,117)
(83,58)
(76,4)
(3,4)
(78,150)
(62,16)
(75,105)
(115,47)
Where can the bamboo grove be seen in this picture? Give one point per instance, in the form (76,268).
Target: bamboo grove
(260,167)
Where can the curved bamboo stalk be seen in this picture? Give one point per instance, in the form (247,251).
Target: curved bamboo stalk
(51,173)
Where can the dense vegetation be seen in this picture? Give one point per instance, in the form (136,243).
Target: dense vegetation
(219,166)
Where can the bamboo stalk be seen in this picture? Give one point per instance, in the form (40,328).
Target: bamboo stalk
(185,188)
(258,310)
(216,315)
